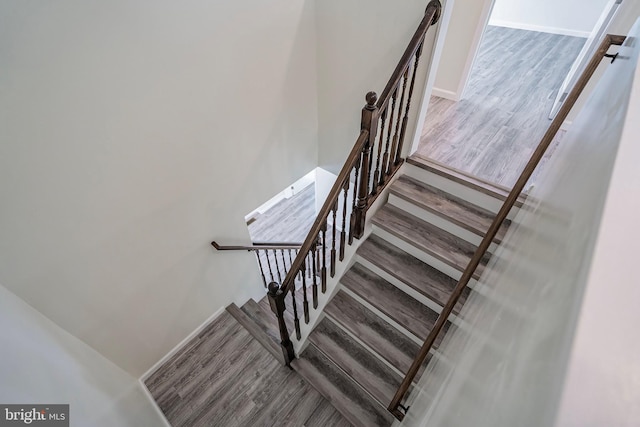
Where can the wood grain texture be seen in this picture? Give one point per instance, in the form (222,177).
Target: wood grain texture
(460,212)
(504,113)
(349,398)
(411,314)
(354,359)
(438,243)
(461,177)
(256,331)
(390,344)
(224,377)
(287,221)
(414,273)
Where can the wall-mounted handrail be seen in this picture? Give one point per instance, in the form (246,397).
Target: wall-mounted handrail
(257,246)
(274,259)
(610,40)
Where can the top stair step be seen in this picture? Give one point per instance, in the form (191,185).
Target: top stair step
(460,212)
(494,190)
(430,239)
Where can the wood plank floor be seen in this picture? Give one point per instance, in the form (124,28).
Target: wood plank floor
(492,132)
(224,377)
(287,221)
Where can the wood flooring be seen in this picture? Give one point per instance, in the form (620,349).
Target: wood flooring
(288,221)
(492,132)
(224,377)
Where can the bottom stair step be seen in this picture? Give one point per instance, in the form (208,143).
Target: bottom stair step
(256,330)
(360,408)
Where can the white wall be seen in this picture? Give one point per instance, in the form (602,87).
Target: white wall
(359,43)
(132,134)
(603,382)
(569,17)
(464,32)
(43,364)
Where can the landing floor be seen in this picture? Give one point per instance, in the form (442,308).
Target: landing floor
(224,377)
(493,131)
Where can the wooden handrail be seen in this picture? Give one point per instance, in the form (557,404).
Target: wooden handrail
(431,16)
(382,156)
(327,207)
(257,246)
(548,137)
(287,244)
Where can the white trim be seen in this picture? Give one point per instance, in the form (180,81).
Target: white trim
(446,94)
(485,16)
(566,125)
(181,344)
(539,28)
(148,395)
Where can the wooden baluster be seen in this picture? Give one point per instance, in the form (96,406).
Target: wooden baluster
(266,253)
(395,153)
(352,218)
(305,301)
(343,232)
(403,131)
(323,269)
(276,302)
(333,240)
(314,287)
(275,257)
(296,251)
(296,319)
(369,122)
(385,159)
(284,262)
(376,174)
(264,279)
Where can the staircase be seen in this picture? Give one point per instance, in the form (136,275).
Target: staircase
(388,300)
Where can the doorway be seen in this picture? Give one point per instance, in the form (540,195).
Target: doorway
(492,125)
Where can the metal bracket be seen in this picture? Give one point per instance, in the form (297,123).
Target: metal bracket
(613,56)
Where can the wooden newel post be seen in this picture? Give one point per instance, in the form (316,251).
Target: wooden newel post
(370,123)
(276,301)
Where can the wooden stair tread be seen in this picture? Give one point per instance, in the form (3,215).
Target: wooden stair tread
(264,319)
(392,345)
(420,276)
(494,190)
(256,331)
(440,244)
(460,212)
(358,362)
(402,308)
(360,408)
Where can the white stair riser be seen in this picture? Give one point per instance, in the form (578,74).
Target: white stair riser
(438,221)
(461,191)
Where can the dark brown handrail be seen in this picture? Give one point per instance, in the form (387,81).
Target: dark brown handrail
(327,207)
(609,40)
(431,17)
(355,188)
(257,246)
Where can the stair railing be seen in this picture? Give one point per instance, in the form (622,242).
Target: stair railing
(277,257)
(395,407)
(372,162)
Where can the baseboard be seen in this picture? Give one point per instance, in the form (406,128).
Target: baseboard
(446,94)
(148,395)
(539,28)
(178,346)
